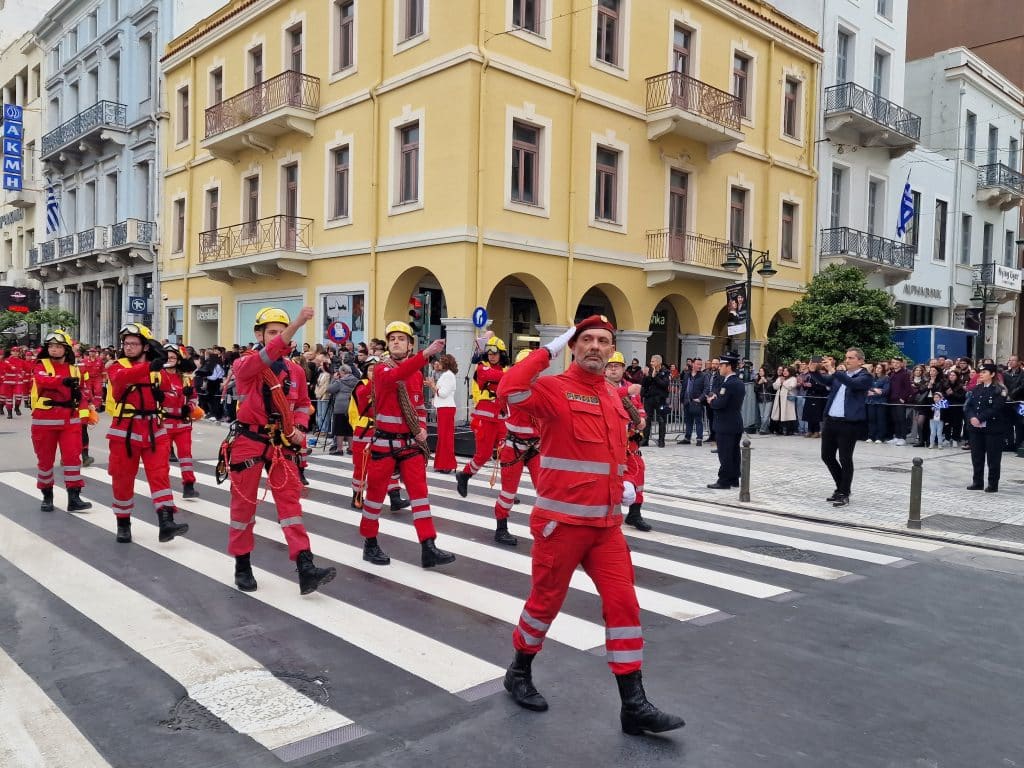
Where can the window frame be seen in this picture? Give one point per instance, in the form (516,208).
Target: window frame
(402,40)
(621,188)
(179,211)
(525,155)
(913,234)
(792,111)
(835,204)
(966,237)
(294,43)
(794,231)
(874,209)
(843,55)
(940,231)
(970,136)
(338,34)
(988,236)
(606,182)
(1009,248)
(543,125)
(215,85)
(620,67)
(395,126)
(182,114)
(540,37)
(337,185)
(744,216)
(747,100)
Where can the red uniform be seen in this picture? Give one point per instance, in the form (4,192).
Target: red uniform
(521,449)
(252,450)
(93,366)
(7,384)
(636,468)
(137,433)
(576,519)
(393,446)
(24,388)
(360,416)
(57,413)
(179,400)
(488,425)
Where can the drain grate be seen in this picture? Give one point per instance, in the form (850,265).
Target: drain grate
(781,551)
(901,470)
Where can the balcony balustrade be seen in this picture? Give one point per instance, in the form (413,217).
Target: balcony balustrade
(874,120)
(892,258)
(685,106)
(87,126)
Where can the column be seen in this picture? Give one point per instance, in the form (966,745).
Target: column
(20,96)
(550,333)
(86,324)
(756,354)
(632,344)
(695,345)
(108,334)
(460,334)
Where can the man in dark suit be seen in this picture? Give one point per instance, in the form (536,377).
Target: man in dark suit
(727,404)
(845,414)
(654,393)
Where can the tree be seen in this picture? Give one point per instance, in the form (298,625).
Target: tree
(838,311)
(52,318)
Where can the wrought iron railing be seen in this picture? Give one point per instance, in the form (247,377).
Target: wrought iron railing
(66,246)
(132,231)
(674,89)
(881,250)
(33,256)
(92,239)
(274,233)
(101,114)
(289,89)
(850,97)
(998,275)
(49,250)
(686,248)
(999,175)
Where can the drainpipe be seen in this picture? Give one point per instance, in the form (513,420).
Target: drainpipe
(371,298)
(955,251)
(481,99)
(570,310)
(186,315)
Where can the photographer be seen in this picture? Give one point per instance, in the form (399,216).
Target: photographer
(654,392)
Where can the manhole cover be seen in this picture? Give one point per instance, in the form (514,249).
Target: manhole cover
(246,689)
(780,551)
(903,470)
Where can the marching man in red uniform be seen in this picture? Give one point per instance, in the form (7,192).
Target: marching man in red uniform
(633,480)
(488,425)
(270,433)
(400,428)
(23,392)
(92,387)
(6,385)
(59,405)
(137,433)
(11,381)
(576,518)
(181,408)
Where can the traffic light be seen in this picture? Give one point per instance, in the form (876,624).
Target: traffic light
(416,315)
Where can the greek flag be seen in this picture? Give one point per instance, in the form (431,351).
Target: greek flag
(943,403)
(52,210)
(906,210)
(1020,409)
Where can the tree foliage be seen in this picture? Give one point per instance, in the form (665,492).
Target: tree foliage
(49,317)
(838,311)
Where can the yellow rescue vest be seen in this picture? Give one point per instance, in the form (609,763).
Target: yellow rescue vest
(116,409)
(45,403)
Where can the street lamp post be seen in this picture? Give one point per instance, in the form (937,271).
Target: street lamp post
(750,260)
(984,295)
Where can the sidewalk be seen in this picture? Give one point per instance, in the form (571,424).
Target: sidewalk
(788,477)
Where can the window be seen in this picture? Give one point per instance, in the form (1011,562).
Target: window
(145,59)
(178,238)
(91,25)
(345,55)
(115,10)
(608,31)
(971,136)
(875,198)
(681,48)
(252,207)
(788,232)
(290,192)
(183,115)
(525,163)
(993,145)
(294,39)
(1008,248)
(741,82)
(738,216)
(913,233)
(256,65)
(216,86)
(339,189)
(679,189)
(408,163)
(412,21)
(965,238)
(941,215)
(34,82)
(605,185)
(844,44)
(835,211)
(73,42)
(212,208)
(526,15)
(114,77)
(791,108)
(1014,158)
(880,76)
(884,9)
(987,233)
(110,195)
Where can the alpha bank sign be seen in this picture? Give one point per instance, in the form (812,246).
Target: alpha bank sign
(13,133)
(922,292)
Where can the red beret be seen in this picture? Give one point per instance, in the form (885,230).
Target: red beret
(594,321)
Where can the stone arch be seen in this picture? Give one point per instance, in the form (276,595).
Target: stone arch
(611,301)
(517,303)
(396,305)
(673,315)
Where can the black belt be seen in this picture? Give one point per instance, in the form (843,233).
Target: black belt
(406,451)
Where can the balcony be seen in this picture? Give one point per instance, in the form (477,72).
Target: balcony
(872,120)
(1002,283)
(1000,186)
(33,256)
(893,260)
(86,130)
(262,248)
(254,118)
(96,248)
(686,254)
(92,239)
(684,106)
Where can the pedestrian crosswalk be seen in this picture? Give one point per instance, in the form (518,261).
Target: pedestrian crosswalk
(414,632)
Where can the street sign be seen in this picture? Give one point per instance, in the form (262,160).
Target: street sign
(338,332)
(479,317)
(12,157)
(137,305)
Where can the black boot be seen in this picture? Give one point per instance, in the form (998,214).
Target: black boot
(87,460)
(168,528)
(519,683)
(433,556)
(397,502)
(638,714)
(75,501)
(47,505)
(502,536)
(244,579)
(189,491)
(17,410)
(124,530)
(302,477)
(462,483)
(634,519)
(311,577)
(372,553)
(173,457)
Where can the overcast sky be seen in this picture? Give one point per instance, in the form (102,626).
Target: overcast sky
(19,16)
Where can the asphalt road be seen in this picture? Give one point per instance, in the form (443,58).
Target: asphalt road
(782,643)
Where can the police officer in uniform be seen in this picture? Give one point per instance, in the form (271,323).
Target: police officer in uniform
(985,412)
(727,402)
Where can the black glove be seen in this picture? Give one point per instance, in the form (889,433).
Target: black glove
(69,381)
(157,364)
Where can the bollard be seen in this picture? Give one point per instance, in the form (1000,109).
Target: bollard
(745,470)
(916,473)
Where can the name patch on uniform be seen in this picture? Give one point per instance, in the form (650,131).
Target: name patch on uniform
(590,399)
(721,391)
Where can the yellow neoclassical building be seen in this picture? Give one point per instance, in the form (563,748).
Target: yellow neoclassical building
(542,159)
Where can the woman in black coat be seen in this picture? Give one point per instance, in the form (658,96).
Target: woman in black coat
(953,417)
(985,411)
(814,406)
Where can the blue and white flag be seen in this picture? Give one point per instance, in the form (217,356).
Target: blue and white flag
(1020,409)
(943,403)
(906,210)
(52,210)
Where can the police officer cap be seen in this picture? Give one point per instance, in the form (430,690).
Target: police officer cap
(990,367)
(731,360)
(594,321)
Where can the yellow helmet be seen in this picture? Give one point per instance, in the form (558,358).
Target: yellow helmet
(494,343)
(616,358)
(58,336)
(523,354)
(271,315)
(399,327)
(135,329)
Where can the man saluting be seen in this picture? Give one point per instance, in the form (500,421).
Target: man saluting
(576,519)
